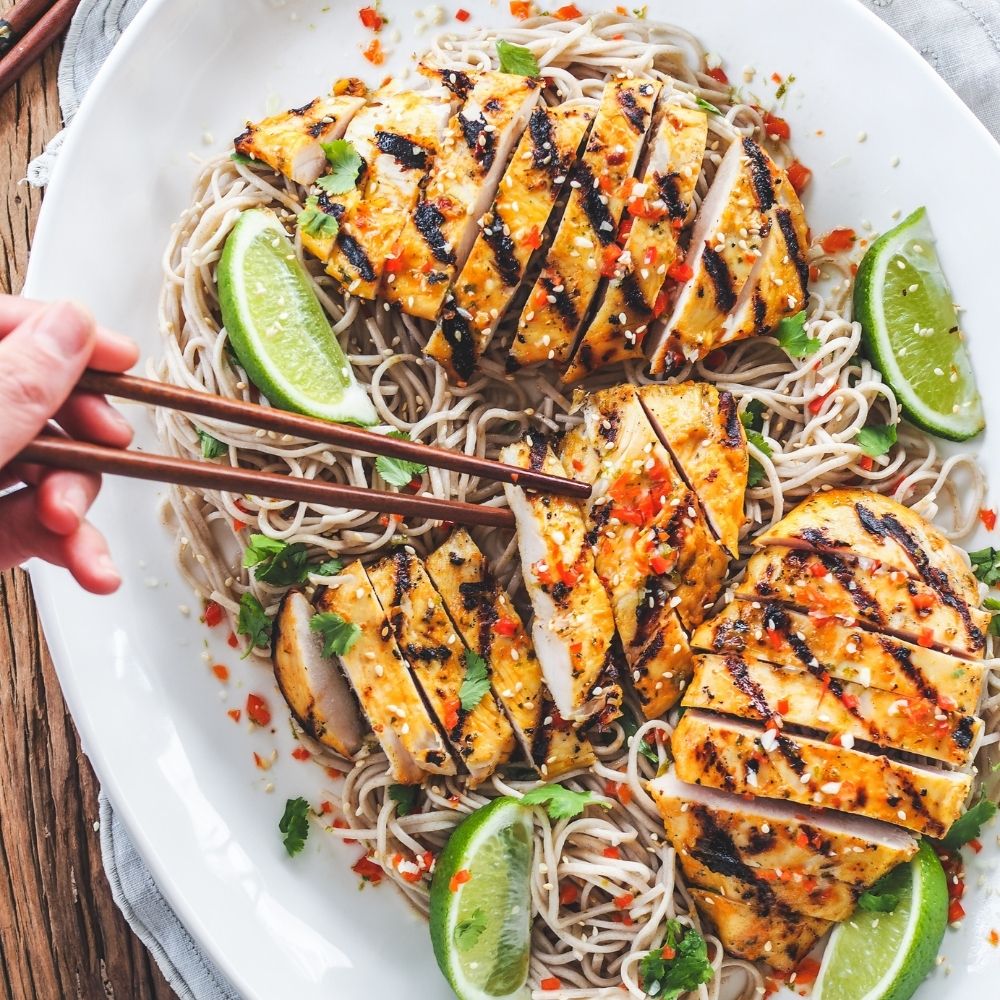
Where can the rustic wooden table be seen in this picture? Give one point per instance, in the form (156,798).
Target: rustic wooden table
(61,936)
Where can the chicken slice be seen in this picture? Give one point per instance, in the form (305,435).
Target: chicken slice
(728,232)
(313,684)
(440,231)
(857,523)
(922,679)
(573,625)
(481,736)
(748,760)
(385,688)
(703,431)
(291,142)
(561,296)
(812,698)
(397,136)
(781,937)
(662,202)
(510,233)
(776,836)
(888,599)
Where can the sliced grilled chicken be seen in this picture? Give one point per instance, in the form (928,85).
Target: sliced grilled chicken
(702,429)
(397,137)
(780,937)
(746,759)
(778,285)
(313,685)
(661,201)
(573,625)
(776,836)
(925,680)
(728,234)
(291,142)
(812,698)
(585,239)
(385,688)
(482,736)
(440,231)
(510,233)
(855,523)
(888,599)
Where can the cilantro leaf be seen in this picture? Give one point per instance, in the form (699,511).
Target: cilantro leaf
(313,221)
(476,683)
(678,966)
(469,931)
(992,604)
(631,727)
(211,447)
(793,338)
(294,824)
(783,88)
(876,439)
(562,803)
(516,59)
(707,106)
(405,797)
(874,901)
(986,565)
(968,826)
(345,167)
(398,471)
(329,568)
(275,561)
(241,158)
(339,635)
(253,622)
(752,419)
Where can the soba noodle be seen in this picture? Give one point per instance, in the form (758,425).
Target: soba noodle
(593,948)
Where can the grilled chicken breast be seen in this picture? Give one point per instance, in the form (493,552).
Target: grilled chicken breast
(745,759)
(887,599)
(510,233)
(385,688)
(779,937)
(481,735)
(813,698)
(441,229)
(291,142)
(397,136)
(921,680)
(573,626)
(313,685)
(702,429)
(661,204)
(563,291)
(778,837)
(855,523)
(728,234)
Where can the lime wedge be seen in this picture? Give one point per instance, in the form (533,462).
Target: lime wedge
(886,956)
(481,904)
(278,328)
(911,331)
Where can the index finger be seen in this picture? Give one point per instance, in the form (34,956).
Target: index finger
(112,352)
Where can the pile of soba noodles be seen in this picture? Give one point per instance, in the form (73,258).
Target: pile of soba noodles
(588,945)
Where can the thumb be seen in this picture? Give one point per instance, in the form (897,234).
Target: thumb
(41,361)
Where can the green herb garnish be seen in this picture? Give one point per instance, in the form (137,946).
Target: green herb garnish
(476,682)
(253,623)
(339,635)
(678,966)
(211,447)
(986,565)
(275,561)
(516,59)
(562,803)
(345,166)
(405,797)
(876,439)
(329,568)
(707,106)
(969,825)
(469,931)
(398,471)
(793,338)
(752,419)
(313,221)
(992,604)
(294,824)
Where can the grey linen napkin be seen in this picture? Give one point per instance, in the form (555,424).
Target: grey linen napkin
(959,38)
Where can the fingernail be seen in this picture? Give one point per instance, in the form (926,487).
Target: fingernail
(105,565)
(65,328)
(75,501)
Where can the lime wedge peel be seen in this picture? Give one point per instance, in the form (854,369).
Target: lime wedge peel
(911,331)
(886,956)
(278,329)
(480,904)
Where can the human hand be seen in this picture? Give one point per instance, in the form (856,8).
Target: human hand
(44,350)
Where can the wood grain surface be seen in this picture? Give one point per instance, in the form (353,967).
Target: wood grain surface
(61,936)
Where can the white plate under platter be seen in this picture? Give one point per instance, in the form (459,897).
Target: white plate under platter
(182,81)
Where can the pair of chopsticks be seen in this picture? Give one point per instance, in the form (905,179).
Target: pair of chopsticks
(85,457)
(27,30)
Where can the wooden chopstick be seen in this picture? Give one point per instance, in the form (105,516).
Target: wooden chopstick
(18,20)
(85,457)
(27,50)
(341,435)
